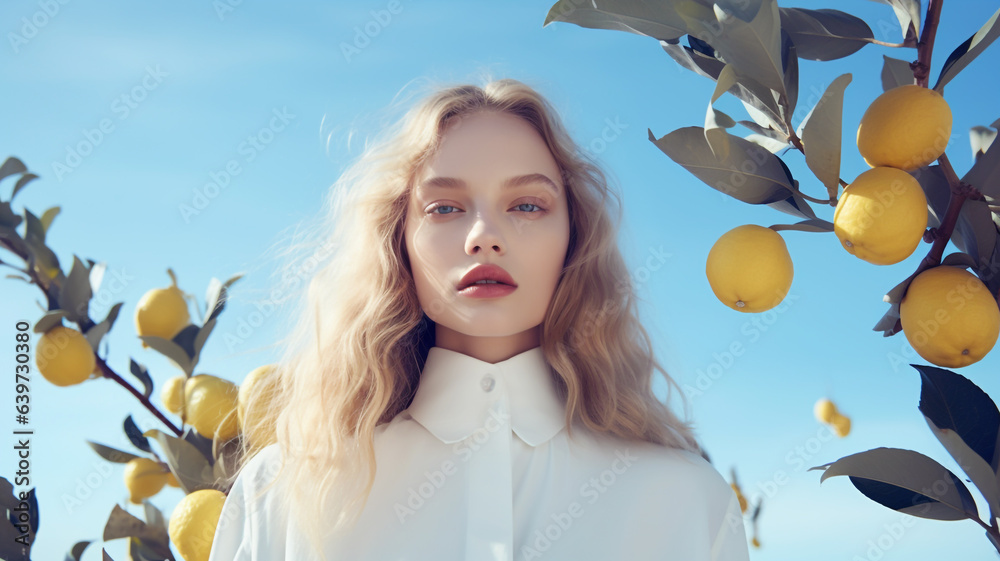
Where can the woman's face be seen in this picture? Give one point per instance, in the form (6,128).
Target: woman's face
(465,211)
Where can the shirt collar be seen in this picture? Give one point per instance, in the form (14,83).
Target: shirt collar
(456,392)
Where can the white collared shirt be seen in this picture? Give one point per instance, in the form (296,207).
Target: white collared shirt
(480,468)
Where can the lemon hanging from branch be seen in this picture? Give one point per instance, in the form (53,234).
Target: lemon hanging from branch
(949,317)
(64,357)
(749,268)
(162,312)
(881,216)
(907,127)
(194,522)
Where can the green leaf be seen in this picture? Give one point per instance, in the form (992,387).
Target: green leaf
(135,435)
(156,521)
(794,205)
(77,551)
(716,121)
(812,225)
(753,48)
(42,260)
(821,134)
(202,337)
(767,142)
(959,259)
(824,34)
(937,192)
(188,464)
(974,466)
(790,73)
(749,173)
(887,325)
(952,402)
(968,51)
(142,374)
(707,66)
(7,217)
(97,332)
(121,524)
(144,549)
(896,73)
(96,275)
(112,454)
(985,173)
(217,294)
(33,227)
(24,180)
(48,216)
(171,350)
(659,20)
(976,231)
(895,295)
(981,138)
(49,320)
(908,14)
(75,294)
(12,166)
(906,481)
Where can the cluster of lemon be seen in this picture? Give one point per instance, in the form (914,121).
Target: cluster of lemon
(215,407)
(948,315)
(826,412)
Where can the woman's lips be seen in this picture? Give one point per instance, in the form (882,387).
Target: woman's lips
(488,290)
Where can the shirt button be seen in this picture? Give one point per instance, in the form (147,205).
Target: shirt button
(488,383)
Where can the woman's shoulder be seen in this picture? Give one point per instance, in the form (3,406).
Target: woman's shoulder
(261,468)
(660,469)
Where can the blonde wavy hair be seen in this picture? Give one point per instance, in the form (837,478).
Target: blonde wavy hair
(358,338)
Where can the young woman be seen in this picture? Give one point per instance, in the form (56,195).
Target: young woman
(469,379)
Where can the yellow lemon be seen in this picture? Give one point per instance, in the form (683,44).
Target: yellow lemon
(194,521)
(162,312)
(841,425)
(211,406)
(949,317)
(144,478)
(64,357)
(906,127)
(824,410)
(881,216)
(263,380)
(749,268)
(172,394)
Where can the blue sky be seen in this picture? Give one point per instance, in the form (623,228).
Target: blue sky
(199,83)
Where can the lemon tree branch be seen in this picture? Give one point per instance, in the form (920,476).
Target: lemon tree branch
(106,371)
(940,236)
(925,47)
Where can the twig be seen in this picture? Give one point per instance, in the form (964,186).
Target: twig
(86,324)
(108,373)
(925,47)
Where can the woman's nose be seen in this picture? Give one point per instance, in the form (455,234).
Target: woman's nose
(484,236)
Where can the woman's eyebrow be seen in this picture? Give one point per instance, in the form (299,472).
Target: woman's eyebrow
(509,183)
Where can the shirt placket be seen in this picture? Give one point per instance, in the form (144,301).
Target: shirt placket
(490,507)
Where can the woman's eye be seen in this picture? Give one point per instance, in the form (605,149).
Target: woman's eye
(529,204)
(435,209)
